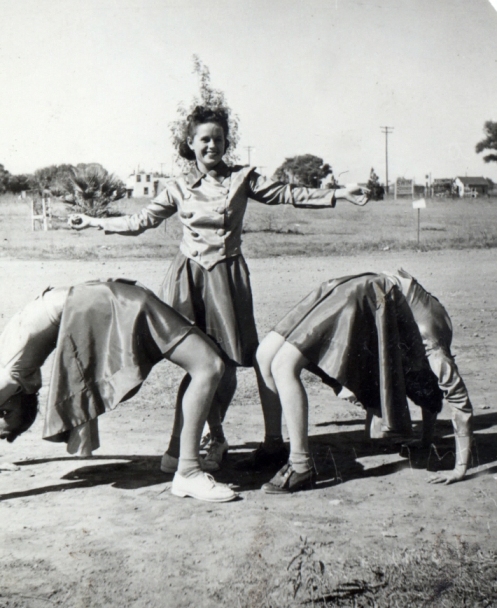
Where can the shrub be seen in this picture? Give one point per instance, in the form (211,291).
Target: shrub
(91,189)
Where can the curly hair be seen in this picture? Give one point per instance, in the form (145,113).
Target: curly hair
(29,411)
(200,116)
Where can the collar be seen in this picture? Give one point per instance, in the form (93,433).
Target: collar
(194,176)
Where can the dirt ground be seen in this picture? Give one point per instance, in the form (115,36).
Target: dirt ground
(106,531)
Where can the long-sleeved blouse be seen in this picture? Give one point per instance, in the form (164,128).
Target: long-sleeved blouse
(435,328)
(211,210)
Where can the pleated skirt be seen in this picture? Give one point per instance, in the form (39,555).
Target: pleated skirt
(218,301)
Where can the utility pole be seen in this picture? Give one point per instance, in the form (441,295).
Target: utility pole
(249,148)
(387,131)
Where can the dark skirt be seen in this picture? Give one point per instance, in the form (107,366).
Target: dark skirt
(348,330)
(111,335)
(218,301)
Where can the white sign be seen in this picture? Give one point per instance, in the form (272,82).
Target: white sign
(419,204)
(404,187)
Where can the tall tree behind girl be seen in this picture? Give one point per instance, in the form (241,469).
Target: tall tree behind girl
(208,281)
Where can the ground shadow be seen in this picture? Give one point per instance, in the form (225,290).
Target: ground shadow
(336,455)
(135,472)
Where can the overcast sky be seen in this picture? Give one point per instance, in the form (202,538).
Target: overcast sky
(100,80)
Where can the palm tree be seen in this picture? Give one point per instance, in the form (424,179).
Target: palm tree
(91,189)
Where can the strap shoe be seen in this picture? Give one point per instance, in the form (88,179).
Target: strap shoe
(287,480)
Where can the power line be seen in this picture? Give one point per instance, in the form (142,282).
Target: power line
(387,131)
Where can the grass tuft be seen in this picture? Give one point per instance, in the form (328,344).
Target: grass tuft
(442,575)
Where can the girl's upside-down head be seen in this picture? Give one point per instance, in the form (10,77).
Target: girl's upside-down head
(17,414)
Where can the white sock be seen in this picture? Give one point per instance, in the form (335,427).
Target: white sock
(188,467)
(301,461)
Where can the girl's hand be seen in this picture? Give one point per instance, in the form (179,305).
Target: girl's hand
(78,221)
(447,478)
(463,452)
(355,194)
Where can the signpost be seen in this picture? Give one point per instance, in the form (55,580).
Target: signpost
(419,204)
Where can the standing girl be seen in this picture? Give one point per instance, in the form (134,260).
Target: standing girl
(208,281)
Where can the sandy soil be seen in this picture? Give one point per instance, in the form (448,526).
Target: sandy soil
(107,532)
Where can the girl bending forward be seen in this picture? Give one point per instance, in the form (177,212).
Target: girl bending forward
(107,336)
(383,337)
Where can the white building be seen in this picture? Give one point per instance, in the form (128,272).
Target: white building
(144,185)
(472,186)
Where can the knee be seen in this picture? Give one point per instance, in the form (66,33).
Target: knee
(279,366)
(208,368)
(216,368)
(263,359)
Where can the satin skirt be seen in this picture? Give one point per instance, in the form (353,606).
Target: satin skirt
(218,301)
(359,332)
(111,335)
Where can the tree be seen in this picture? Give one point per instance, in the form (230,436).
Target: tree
(18,183)
(4,179)
(490,141)
(377,190)
(50,180)
(305,170)
(211,98)
(91,189)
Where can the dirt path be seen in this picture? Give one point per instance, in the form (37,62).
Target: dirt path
(107,532)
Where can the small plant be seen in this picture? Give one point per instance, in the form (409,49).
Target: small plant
(307,574)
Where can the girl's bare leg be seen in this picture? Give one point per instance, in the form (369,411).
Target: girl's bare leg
(286,369)
(205,368)
(272,450)
(173,448)
(220,401)
(270,401)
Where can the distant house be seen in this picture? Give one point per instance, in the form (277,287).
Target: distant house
(144,185)
(472,186)
(442,186)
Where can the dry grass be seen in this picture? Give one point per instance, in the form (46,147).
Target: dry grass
(268,231)
(441,575)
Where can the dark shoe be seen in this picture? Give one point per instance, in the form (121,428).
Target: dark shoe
(288,480)
(216,453)
(262,458)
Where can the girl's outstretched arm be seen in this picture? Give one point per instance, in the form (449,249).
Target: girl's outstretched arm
(273,192)
(357,195)
(161,207)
